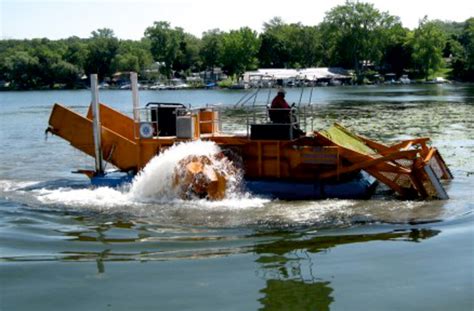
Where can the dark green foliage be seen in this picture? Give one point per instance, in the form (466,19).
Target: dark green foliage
(76,51)
(274,49)
(354,35)
(289,45)
(239,51)
(428,42)
(463,53)
(36,63)
(211,49)
(133,56)
(358,33)
(165,44)
(187,58)
(102,49)
(21,69)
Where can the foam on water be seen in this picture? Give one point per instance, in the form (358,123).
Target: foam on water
(151,194)
(9,185)
(320,211)
(102,197)
(153,185)
(155,181)
(237,209)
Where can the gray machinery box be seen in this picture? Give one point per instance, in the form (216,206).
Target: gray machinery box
(185,126)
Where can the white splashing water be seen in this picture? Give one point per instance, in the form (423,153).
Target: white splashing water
(154,185)
(156,179)
(8,185)
(152,192)
(103,198)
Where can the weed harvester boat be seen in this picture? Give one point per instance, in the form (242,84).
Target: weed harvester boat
(276,159)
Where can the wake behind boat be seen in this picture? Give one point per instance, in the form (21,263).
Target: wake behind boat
(275,157)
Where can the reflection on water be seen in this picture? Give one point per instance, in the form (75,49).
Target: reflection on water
(322,243)
(287,261)
(296,295)
(288,267)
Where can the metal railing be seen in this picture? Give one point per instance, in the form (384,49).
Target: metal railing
(301,117)
(144,116)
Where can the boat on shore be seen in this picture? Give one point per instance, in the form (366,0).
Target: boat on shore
(275,159)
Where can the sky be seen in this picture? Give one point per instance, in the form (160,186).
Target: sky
(56,19)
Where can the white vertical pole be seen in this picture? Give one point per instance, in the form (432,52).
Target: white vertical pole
(96,126)
(135,98)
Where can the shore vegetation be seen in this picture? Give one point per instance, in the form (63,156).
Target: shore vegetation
(355,36)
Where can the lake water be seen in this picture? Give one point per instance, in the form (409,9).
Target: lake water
(65,246)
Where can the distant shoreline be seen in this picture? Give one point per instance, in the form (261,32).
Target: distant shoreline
(226,88)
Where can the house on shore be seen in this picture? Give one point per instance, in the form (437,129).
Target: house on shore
(267,77)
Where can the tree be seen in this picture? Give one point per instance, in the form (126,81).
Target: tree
(48,55)
(66,73)
(164,44)
(468,43)
(274,51)
(289,45)
(463,62)
(102,49)
(304,45)
(133,56)
(22,70)
(36,63)
(211,46)
(357,32)
(76,52)
(187,57)
(428,42)
(239,51)
(397,54)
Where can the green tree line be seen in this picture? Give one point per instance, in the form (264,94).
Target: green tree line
(354,36)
